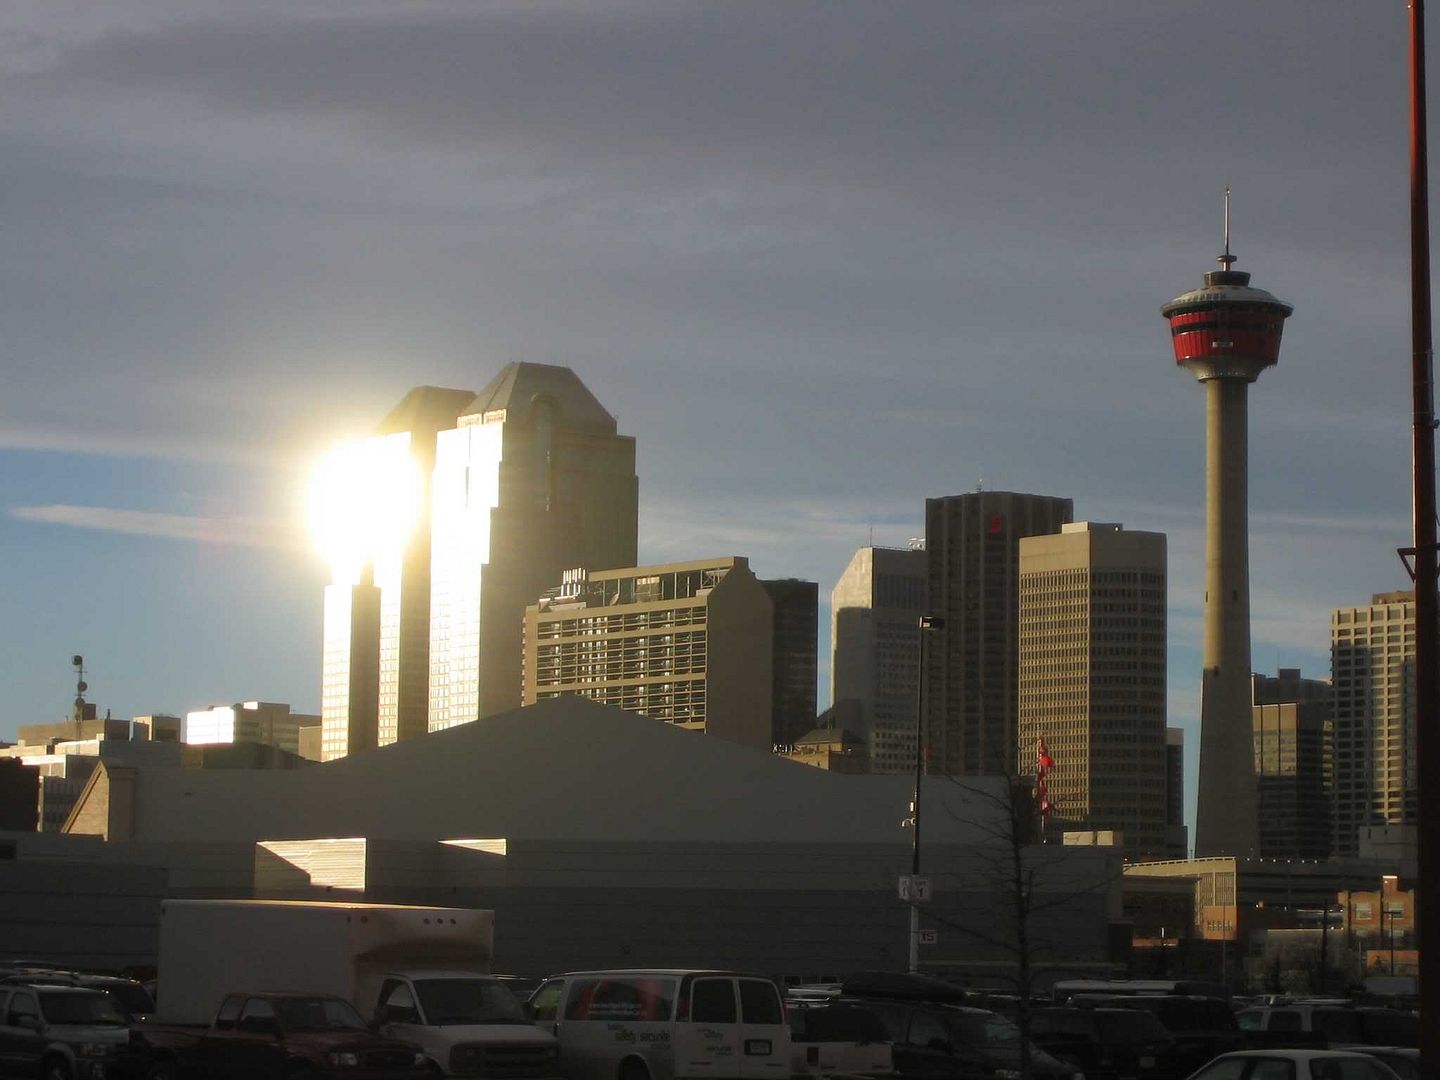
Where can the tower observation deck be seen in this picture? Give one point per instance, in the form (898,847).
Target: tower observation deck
(1226,333)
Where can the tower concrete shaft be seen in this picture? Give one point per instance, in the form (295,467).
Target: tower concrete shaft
(1226,333)
(1227,819)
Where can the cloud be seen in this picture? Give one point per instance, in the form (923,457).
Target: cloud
(235,532)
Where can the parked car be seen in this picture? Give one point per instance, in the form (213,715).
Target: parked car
(1404,1061)
(826,1040)
(1294,1065)
(1330,1024)
(1107,1044)
(954,1042)
(61,1033)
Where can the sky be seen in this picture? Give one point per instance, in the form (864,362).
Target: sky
(823,260)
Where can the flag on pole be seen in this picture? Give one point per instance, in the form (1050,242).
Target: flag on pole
(1043,764)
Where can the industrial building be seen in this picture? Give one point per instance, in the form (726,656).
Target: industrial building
(599,838)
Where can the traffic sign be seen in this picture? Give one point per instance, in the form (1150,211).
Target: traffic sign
(914,889)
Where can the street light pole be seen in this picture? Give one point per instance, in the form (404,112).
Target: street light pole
(927,622)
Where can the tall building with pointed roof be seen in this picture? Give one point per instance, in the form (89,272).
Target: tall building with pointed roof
(516,483)
(533,479)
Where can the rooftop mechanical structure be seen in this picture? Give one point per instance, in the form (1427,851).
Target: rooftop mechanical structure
(1225,334)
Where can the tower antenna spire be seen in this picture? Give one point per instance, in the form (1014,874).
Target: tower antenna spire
(1227,259)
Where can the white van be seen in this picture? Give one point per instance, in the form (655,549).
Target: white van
(665,1025)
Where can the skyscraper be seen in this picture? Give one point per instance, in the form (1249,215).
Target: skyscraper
(972,543)
(379,600)
(350,670)
(1294,763)
(1292,773)
(1372,658)
(1092,676)
(875,610)
(440,526)
(795,633)
(1177,837)
(533,479)
(1226,333)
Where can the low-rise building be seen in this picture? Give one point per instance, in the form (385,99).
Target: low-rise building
(269,723)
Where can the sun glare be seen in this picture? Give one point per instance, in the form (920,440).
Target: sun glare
(364,499)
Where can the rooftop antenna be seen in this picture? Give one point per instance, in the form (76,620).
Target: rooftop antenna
(1227,259)
(78,663)
(980,483)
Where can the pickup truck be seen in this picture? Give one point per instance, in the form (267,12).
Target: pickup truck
(275,1037)
(420,973)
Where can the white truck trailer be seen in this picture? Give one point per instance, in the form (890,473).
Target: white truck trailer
(421,972)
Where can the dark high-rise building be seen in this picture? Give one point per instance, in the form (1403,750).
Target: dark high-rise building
(1177,839)
(1292,774)
(19,796)
(1226,333)
(796,634)
(972,668)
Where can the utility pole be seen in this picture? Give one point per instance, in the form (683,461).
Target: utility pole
(927,623)
(1324,946)
(1427,625)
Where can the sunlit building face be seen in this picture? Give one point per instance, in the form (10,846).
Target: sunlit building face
(364,500)
(532,481)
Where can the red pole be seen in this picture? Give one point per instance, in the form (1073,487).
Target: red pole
(1427,627)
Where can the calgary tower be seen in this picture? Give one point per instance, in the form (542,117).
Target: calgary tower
(1226,333)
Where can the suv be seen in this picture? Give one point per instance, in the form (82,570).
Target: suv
(1108,1044)
(1303,1023)
(1203,1027)
(130,997)
(61,1033)
(953,1042)
(826,1040)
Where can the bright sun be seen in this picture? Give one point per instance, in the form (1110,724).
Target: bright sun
(364,499)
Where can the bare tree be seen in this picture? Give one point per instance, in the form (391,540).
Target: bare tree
(1030,881)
